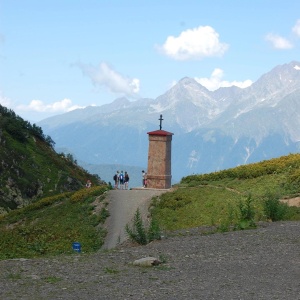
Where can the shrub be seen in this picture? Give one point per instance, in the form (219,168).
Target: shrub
(139,233)
(154,231)
(84,193)
(247,214)
(274,210)
(229,222)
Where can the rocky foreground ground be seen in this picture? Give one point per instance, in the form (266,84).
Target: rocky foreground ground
(256,264)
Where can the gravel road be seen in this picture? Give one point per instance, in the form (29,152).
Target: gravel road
(255,264)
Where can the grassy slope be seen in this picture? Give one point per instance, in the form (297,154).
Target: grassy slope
(51,225)
(215,198)
(44,208)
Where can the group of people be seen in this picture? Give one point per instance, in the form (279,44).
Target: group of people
(121,180)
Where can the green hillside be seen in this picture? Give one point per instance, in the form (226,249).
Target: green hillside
(236,198)
(30,169)
(51,225)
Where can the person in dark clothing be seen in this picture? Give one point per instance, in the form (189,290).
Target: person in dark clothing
(126,180)
(143,178)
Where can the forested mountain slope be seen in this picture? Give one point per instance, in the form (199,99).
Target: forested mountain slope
(29,166)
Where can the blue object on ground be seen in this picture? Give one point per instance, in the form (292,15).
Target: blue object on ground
(77,247)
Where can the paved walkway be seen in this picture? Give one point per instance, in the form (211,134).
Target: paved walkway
(122,207)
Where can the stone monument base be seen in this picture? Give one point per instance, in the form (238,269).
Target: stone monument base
(159,181)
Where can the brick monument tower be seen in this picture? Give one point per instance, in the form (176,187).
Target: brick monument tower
(159,158)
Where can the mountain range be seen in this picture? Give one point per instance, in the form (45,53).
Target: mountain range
(213,130)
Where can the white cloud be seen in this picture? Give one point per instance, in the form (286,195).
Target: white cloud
(194,43)
(36,110)
(64,105)
(279,42)
(296,28)
(104,75)
(215,81)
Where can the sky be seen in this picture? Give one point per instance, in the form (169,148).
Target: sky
(60,55)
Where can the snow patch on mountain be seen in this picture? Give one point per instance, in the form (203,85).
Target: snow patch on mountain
(297,67)
(193,159)
(242,111)
(248,154)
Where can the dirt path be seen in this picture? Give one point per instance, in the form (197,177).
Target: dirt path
(292,201)
(122,207)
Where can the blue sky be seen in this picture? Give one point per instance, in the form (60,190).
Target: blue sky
(57,55)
